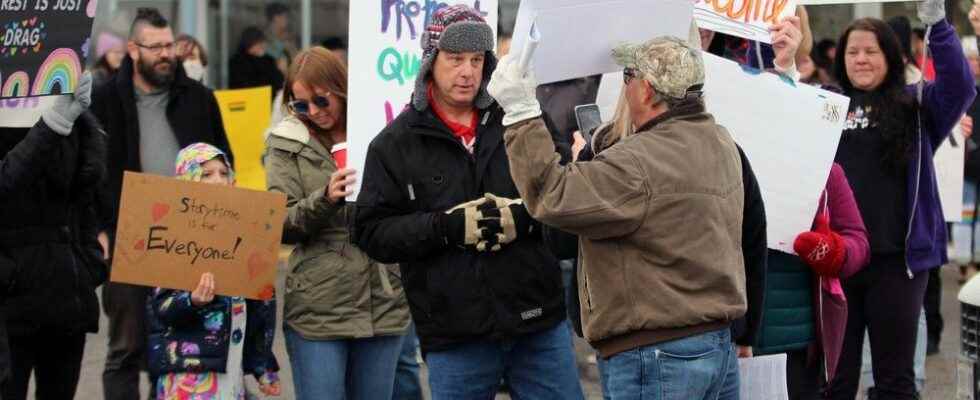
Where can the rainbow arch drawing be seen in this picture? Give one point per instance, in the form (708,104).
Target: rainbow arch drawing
(17,85)
(62,68)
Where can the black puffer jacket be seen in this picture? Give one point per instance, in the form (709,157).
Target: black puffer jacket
(50,259)
(416,169)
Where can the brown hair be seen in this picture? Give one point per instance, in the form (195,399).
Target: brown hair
(193,44)
(318,68)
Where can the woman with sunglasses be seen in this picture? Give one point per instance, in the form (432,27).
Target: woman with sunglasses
(344,313)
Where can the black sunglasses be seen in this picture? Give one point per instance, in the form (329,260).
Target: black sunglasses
(628,75)
(302,107)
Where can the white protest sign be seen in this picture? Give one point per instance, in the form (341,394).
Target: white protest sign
(577,36)
(790,150)
(748,19)
(384,56)
(23,112)
(949,162)
(763,377)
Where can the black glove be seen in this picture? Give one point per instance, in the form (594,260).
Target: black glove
(465,224)
(515,221)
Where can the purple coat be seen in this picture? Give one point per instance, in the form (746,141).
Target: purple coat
(831,305)
(944,101)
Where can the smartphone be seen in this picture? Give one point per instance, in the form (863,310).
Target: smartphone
(588,118)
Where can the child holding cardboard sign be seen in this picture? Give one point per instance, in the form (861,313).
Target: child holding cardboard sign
(201,344)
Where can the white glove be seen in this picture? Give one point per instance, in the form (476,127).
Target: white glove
(514,89)
(931,11)
(62,115)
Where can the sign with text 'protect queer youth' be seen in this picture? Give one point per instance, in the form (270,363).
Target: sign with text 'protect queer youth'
(171,231)
(385,55)
(576,37)
(43,45)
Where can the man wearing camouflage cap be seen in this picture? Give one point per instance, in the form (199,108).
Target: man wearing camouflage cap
(659,218)
(484,291)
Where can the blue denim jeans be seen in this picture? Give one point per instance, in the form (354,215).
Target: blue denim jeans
(697,367)
(351,369)
(536,366)
(407,383)
(601,364)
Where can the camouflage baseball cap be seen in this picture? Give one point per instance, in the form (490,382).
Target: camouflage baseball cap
(671,66)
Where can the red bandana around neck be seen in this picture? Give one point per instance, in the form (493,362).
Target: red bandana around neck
(465,133)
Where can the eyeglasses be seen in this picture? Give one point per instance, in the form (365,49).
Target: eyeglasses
(158,48)
(302,107)
(629,74)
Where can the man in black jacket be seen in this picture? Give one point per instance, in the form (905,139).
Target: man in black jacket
(438,198)
(150,110)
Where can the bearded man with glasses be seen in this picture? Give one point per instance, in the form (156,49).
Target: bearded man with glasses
(150,110)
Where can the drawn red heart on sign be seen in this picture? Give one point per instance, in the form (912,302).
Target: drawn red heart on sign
(257,264)
(267,293)
(159,211)
(139,245)
(33,21)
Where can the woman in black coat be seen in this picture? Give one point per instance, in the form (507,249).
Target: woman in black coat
(250,66)
(50,259)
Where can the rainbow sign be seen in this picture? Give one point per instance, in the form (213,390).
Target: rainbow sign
(17,85)
(43,46)
(61,68)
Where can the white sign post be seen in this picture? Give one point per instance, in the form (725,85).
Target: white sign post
(384,57)
(576,37)
(789,133)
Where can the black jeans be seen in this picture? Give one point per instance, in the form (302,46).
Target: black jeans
(126,307)
(884,299)
(934,298)
(54,358)
(804,376)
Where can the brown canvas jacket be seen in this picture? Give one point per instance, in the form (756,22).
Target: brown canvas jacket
(659,219)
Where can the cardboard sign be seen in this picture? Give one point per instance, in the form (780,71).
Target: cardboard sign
(949,162)
(43,45)
(246,114)
(576,37)
(385,55)
(749,19)
(791,150)
(171,231)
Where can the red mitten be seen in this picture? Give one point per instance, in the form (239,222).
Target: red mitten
(822,249)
